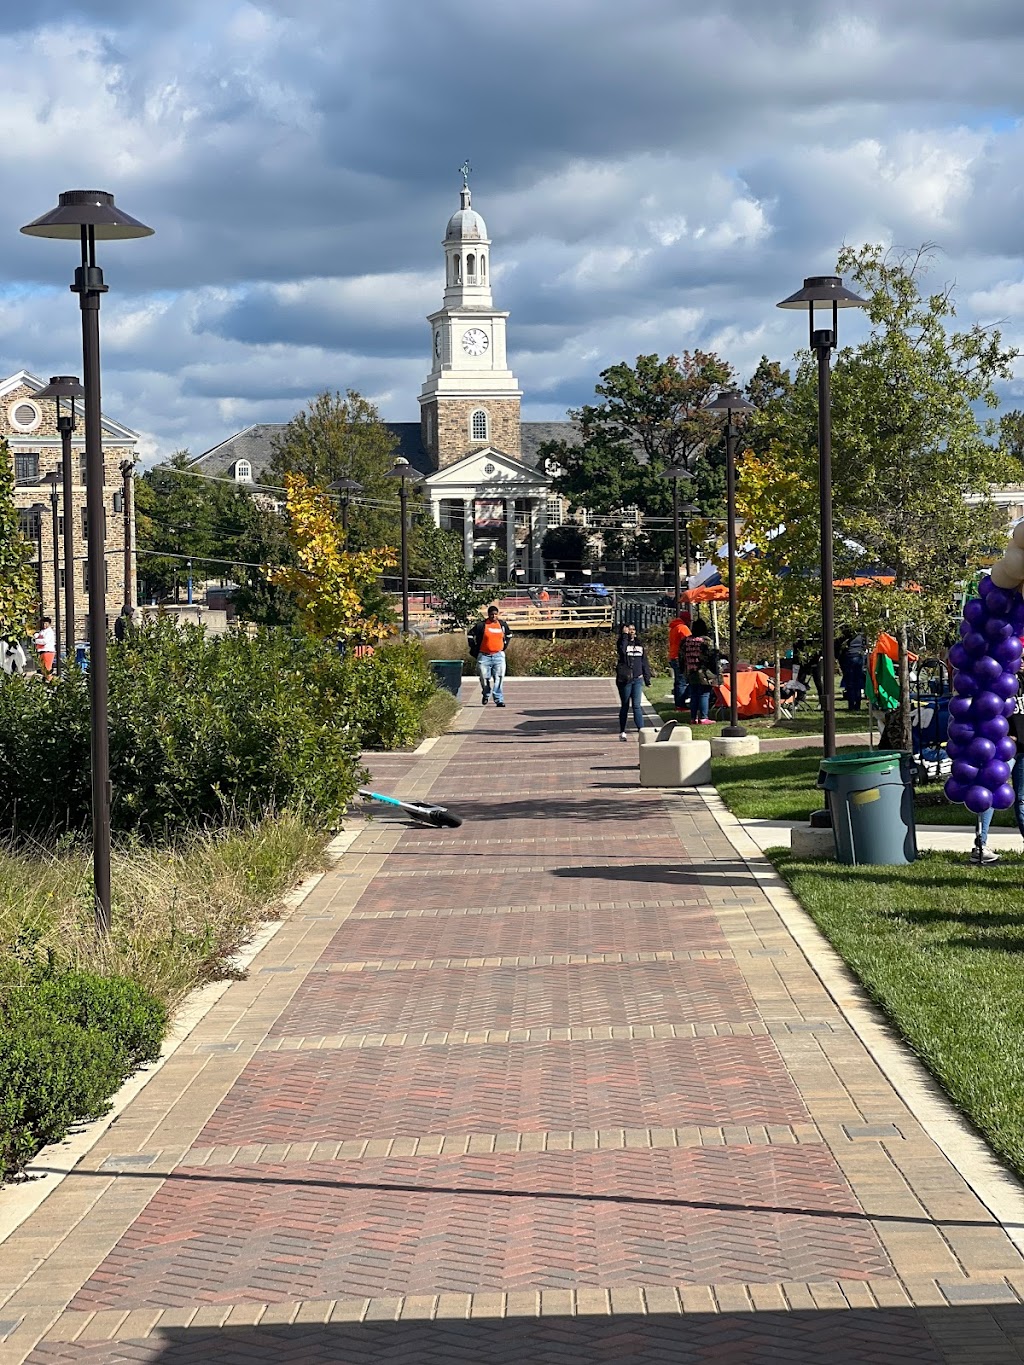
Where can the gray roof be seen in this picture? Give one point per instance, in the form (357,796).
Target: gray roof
(256,444)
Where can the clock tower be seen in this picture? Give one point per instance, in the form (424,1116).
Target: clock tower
(470,399)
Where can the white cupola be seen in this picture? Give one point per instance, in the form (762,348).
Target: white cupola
(467,252)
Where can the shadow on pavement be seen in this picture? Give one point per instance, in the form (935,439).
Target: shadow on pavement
(881,1336)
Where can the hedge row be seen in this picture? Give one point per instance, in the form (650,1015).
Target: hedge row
(66,1043)
(202,728)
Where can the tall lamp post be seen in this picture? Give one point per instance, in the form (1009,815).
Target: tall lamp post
(405,474)
(687,510)
(730,402)
(127,490)
(674,473)
(346,489)
(87,216)
(38,511)
(64,389)
(52,479)
(822,291)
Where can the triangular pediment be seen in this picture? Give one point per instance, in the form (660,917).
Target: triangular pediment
(32,384)
(488,468)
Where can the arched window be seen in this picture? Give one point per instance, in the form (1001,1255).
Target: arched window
(471,269)
(478,425)
(243,471)
(457,263)
(483,268)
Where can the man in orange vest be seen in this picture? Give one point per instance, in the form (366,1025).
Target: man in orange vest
(678,630)
(487,641)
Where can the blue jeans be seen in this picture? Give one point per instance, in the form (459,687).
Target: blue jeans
(985,818)
(700,701)
(491,668)
(680,687)
(853,682)
(631,694)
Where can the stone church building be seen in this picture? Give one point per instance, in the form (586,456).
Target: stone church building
(478,457)
(29,426)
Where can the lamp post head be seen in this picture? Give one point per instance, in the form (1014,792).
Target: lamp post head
(94,209)
(403,470)
(64,389)
(345,486)
(729,400)
(822,291)
(675,472)
(689,509)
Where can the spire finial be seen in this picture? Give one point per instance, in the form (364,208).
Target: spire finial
(464,171)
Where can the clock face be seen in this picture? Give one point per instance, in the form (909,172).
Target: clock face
(474,342)
(437,342)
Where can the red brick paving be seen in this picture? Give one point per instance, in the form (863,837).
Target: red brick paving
(517,997)
(529,1087)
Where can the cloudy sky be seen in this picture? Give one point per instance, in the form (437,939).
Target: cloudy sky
(655,176)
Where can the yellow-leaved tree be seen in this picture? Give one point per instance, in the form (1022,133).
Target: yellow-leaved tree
(331,584)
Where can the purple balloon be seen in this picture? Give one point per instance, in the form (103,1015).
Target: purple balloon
(986,705)
(997,601)
(1006,750)
(965,685)
(978,798)
(986,670)
(1008,651)
(986,586)
(959,707)
(995,729)
(956,791)
(1017,617)
(958,657)
(1009,706)
(980,751)
(994,774)
(1006,684)
(954,750)
(1003,797)
(974,611)
(997,628)
(975,643)
(964,771)
(961,731)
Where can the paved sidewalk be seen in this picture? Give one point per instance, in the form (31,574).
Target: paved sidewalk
(557,1086)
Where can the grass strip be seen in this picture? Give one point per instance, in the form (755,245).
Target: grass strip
(938,945)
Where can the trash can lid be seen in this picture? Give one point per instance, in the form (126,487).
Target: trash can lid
(863,760)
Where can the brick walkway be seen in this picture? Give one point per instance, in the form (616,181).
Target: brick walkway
(558,1086)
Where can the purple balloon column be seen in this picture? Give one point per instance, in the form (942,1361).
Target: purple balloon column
(985,664)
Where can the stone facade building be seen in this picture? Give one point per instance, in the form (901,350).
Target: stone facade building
(478,457)
(29,425)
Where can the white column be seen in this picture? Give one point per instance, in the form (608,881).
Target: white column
(467,531)
(435,508)
(540,524)
(510,536)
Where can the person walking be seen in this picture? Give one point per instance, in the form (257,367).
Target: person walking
(632,670)
(678,631)
(981,854)
(45,641)
(125,624)
(851,655)
(703,670)
(488,641)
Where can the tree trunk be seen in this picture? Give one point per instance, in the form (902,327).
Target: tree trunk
(777,700)
(900,718)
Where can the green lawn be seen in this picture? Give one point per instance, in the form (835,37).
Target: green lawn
(779,784)
(939,946)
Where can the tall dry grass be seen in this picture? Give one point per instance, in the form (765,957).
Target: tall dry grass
(178,914)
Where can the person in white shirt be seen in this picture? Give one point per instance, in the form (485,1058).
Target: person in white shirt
(45,642)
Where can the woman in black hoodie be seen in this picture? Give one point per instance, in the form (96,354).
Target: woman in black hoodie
(631,672)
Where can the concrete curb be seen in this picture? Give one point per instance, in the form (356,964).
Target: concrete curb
(997,1188)
(20,1200)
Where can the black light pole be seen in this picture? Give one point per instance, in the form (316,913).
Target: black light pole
(404,472)
(38,510)
(730,402)
(52,479)
(820,291)
(675,472)
(346,488)
(127,470)
(687,511)
(64,389)
(85,216)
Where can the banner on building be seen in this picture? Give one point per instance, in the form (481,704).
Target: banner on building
(489,516)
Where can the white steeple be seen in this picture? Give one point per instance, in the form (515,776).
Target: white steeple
(467,251)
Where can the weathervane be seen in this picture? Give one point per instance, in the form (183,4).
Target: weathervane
(464,171)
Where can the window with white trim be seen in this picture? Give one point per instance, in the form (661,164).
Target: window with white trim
(554,512)
(478,425)
(243,471)
(24,415)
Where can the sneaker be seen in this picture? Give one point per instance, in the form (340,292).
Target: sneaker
(705,722)
(624,737)
(485,699)
(981,856)
(498,703)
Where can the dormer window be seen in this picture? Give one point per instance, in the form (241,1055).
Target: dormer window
(243,471)
(478,425)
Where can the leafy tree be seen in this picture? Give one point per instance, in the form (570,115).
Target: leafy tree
(1011,434)
(458,589)
(330,583)
(19,592)
(176,516)
(337,437)
(908,451)
(649,417)
(565,545)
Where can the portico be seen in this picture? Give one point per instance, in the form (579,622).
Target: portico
(495,502)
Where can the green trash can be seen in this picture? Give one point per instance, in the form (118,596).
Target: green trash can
(870,794)
(447,674)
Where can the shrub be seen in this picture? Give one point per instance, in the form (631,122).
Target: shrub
(66,1044)
(389,691)
(537,656)
(199,728)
